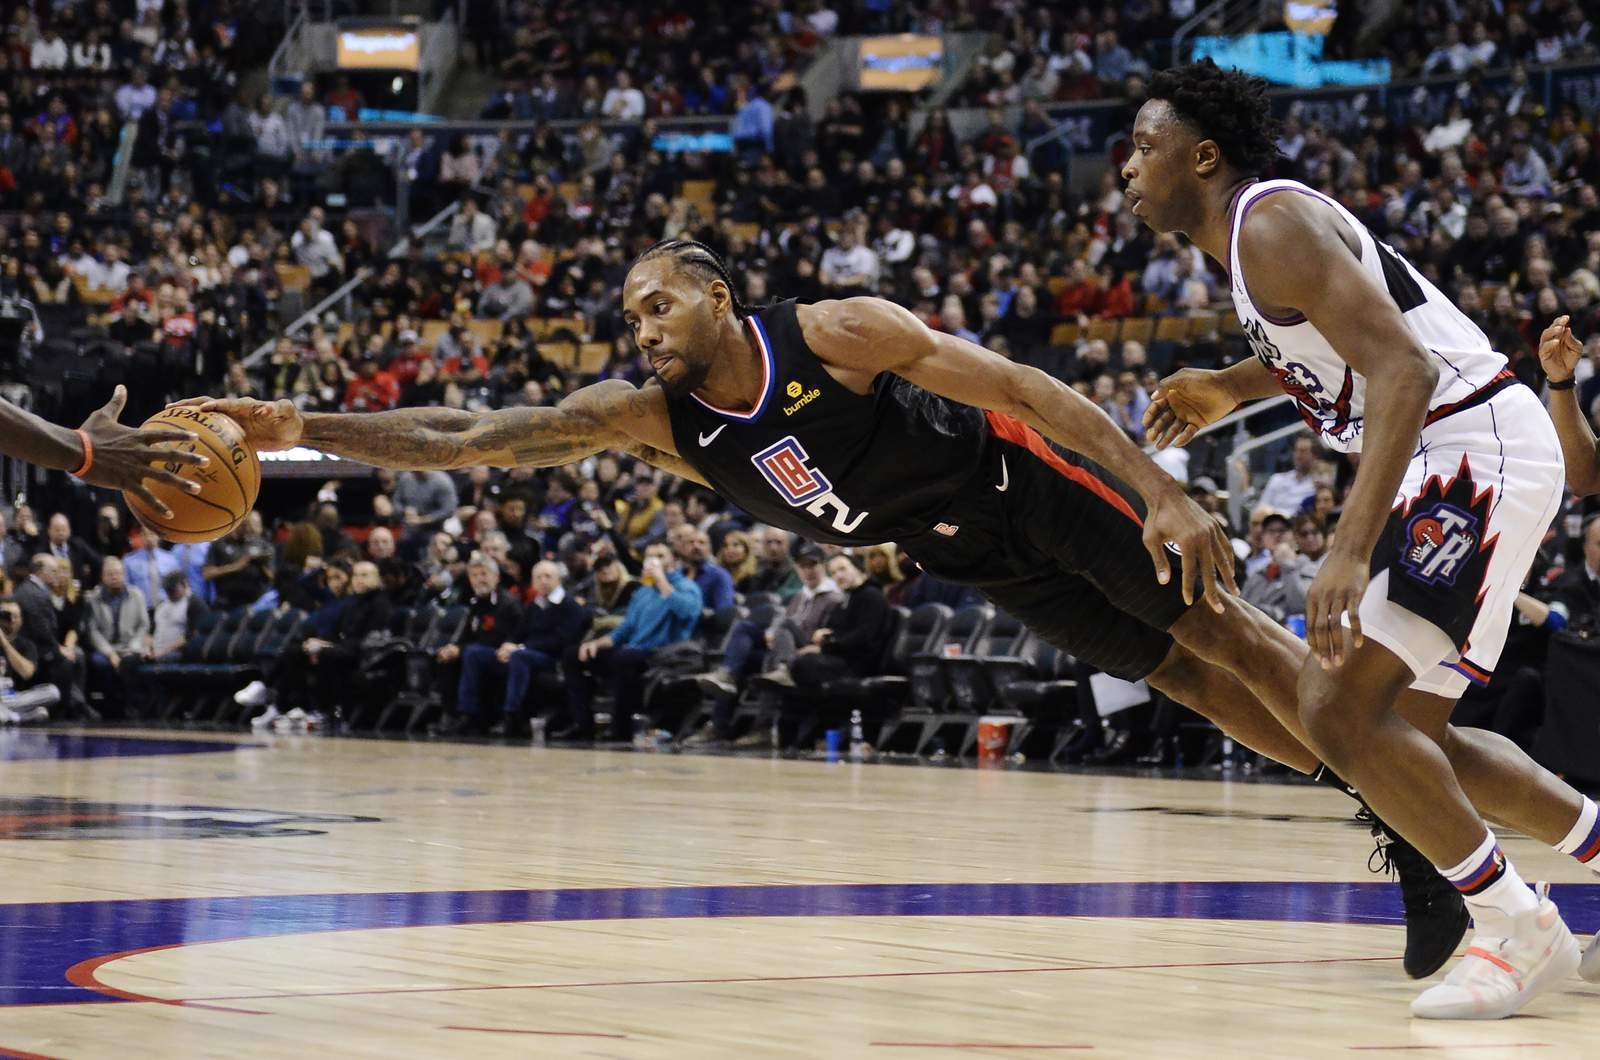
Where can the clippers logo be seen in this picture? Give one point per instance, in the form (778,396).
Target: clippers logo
(1439,541)
(53,817)
(784,465)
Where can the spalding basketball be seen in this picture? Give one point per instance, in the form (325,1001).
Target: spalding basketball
(228,484)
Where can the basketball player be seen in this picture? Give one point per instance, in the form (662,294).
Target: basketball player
(102,452)
(824,420)
(1460,476)
(1559,352)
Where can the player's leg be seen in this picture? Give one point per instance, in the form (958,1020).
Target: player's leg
(1222,699)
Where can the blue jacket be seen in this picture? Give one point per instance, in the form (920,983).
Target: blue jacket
(653,620)
(716,586)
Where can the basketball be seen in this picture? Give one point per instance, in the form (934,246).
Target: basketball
(228,485)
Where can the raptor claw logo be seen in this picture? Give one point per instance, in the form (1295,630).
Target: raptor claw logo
(1443,529)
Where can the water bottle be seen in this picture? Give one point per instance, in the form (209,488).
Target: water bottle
(1227,754)
(858,743)
(537,726)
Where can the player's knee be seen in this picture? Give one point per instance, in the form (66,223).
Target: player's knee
(1325,722)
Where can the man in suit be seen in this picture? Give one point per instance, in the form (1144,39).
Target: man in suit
(60,658)
(82,562)
(552,624)
(331,666)
(493,615)
(117,623)
(1577,592)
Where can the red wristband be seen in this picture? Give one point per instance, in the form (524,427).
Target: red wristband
(88,453)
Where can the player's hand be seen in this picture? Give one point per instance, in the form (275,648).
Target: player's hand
(1183,403)
(126,457)
(1199,539)
(1336,591)
(1559,350)
(267,425)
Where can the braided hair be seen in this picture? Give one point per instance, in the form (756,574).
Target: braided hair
(1227,106)
(700,260)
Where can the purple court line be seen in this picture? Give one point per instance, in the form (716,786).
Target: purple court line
(40,942)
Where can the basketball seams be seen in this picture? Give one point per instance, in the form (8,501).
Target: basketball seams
(218,449)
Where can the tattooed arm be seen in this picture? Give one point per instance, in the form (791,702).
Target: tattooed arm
(607,415)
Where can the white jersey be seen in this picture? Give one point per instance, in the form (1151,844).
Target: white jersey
(1332,396)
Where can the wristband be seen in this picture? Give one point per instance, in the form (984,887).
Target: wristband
(1562,384)
(88,453)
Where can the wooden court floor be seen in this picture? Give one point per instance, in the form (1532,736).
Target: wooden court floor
(171,896)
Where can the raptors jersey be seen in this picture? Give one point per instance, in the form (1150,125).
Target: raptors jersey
(1330,395)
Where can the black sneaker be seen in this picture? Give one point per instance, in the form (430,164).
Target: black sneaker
(1436,915)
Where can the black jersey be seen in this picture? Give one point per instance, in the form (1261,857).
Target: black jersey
(817,458)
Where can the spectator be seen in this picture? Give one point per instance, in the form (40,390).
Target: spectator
(471,229)
(775,571)
(372,390)
(608,592)
(118,628)
(852,639)
(30,696)
(236,567)
(306,120)
(663,611)
(751,647)
(493,616)
(136,97)
(148,567)
(49,52)
(79,561)
(345,99)
(693,549)
(508,298)
(623,102)
(175,617)
(273,144)
(552,625)
(51,624)
(1291,490)
(315,248)
(1577,592)
(325,671)
(849,268)
(736,556)
(424,500)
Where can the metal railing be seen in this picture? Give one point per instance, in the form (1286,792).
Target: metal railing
(1233,18)
(346,289)
(280,63)
(1239,465)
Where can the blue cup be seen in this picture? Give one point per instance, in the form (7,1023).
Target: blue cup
(833,738)
(1296,625)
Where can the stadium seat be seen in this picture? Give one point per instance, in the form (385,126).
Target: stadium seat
(1064,334)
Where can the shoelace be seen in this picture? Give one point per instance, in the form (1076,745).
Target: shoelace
(1380,860)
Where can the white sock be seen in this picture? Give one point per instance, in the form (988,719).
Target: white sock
(1583,842)
(1487,881)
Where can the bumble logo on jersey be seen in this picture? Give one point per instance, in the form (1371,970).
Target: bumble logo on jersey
(804,396)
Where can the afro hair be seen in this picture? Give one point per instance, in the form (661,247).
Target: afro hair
(1226,106)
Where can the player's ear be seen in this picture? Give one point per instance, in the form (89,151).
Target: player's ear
(721,297)
(1207,157)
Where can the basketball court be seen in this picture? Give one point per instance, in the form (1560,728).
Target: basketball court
(175,895)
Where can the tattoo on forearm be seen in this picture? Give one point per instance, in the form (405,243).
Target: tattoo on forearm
(425,439)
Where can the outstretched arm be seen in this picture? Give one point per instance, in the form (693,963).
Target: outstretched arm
(1558,353)
(873,335)
(609,415)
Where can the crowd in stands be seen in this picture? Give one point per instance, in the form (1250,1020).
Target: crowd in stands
(1496,202)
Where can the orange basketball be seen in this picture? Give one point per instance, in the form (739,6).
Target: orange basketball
(228,485)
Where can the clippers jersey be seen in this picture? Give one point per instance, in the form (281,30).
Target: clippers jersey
(1331,396)
(818,459)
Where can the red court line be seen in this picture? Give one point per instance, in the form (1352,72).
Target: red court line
(383,991)
(85,974)
(545,1034)
(971,1045)
(1452,1048)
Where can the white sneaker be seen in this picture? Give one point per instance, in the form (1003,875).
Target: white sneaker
(294,721)
(32,715)
(266,717)
(254,694)
(1510,961)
